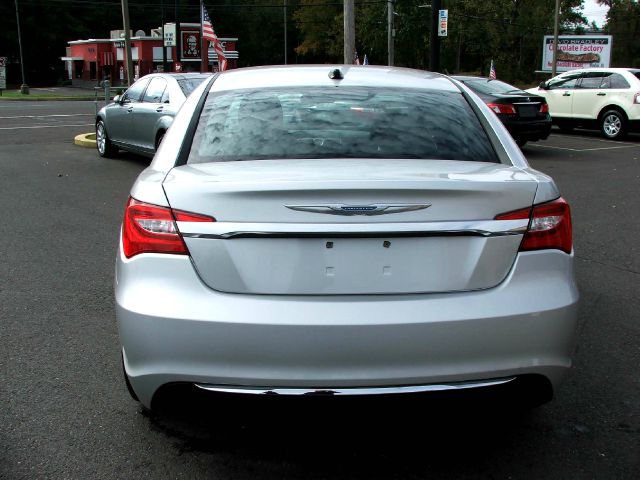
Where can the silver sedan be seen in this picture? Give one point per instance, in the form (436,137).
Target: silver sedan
(138,119)
(343,231)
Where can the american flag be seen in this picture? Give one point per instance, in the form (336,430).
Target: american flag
(222,59)
(492,71)
(209,34)
(207,28)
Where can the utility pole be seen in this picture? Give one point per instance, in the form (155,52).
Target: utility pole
(349,32)
(434,39)
(127,41)
(178,45)
(390,33)
(24,88)
(284,21)
(556,27)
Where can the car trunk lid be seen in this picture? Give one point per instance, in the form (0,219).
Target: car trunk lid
(350,226)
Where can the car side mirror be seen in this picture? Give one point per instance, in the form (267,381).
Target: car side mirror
(543,85)
(116,99)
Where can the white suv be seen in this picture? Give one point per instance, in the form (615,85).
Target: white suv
(606,98)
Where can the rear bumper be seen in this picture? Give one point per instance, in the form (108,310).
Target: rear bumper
(175,329)
(528,130)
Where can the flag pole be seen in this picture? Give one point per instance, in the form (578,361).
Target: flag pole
(204,43)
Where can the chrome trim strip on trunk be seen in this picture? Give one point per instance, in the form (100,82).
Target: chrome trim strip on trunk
(228,230)
(351,210)
(354,390)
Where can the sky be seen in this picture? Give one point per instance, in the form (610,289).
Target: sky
(595,12)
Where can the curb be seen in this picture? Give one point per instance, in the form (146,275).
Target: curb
(87,140)
(47,99)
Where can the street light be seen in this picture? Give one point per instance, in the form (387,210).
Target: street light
(24,88)
(556,22)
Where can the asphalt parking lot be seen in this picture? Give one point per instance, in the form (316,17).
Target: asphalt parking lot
(65,412)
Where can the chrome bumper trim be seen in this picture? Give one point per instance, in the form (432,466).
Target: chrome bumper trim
(354,390)
(333,234)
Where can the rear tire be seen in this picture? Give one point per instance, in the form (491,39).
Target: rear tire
(103,144)
(159,139)
(613,124)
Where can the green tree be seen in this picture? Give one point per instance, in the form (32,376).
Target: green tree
(321,30)
(508,31)
(623,23)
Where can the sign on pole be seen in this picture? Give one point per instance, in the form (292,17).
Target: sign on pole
(577,51)
(443,17)
(169,34)
(3,73)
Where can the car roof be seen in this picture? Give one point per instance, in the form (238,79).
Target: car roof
(602,69)
(471,77)
(318,75)
(179,75)
(188,74)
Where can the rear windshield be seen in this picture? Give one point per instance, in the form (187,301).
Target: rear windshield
(490,87)
(636,73)
(330,122)
(188,85)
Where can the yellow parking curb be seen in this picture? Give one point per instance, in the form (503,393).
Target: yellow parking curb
(87,140)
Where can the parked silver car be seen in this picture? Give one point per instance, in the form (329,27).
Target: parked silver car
(342,231)
(138,119)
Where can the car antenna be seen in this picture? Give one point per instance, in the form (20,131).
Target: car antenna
(336,74)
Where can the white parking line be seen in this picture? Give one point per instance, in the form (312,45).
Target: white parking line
(591,139)
(47,126)
(48,116)
(628,145)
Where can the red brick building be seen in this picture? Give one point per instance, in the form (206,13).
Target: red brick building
(88,62)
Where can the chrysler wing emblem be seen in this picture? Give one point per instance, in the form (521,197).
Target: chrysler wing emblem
(373,209)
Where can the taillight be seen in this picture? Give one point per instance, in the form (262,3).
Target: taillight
(151,228)
(544,108)
(636,98)
(502,108)
(549,226)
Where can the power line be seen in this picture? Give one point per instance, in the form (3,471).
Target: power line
(195,7)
